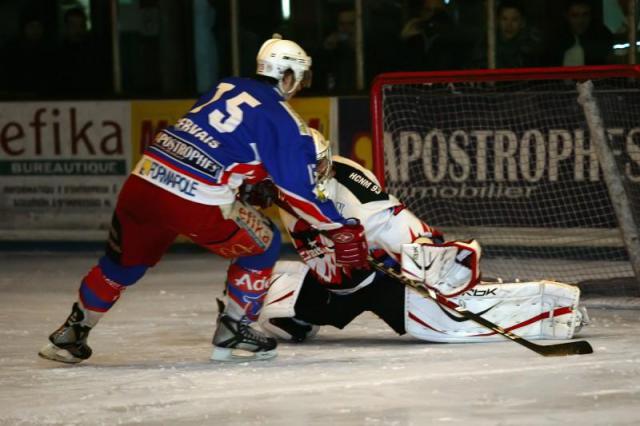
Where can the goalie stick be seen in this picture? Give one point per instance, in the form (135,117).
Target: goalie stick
(581,347)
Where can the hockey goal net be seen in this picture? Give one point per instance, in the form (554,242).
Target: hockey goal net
(542,166)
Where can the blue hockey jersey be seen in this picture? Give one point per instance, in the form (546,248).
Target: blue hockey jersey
(242,130)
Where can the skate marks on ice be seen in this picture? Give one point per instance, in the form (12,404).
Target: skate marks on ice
(335,383)
(151,364)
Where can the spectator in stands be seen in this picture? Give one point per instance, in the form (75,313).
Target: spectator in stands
(617,17)
(83,67)
(429,39)
(338,54)
(517,43)
(27,60)
(385,19)
(581,40)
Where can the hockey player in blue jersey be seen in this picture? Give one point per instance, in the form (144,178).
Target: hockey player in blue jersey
(243,132)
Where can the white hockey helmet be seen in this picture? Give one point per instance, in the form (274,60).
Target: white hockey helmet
(324,164)
(276,56)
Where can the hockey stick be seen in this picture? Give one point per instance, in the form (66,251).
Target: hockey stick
(581,347)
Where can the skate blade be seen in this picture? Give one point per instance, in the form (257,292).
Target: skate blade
(240,355)
(54,353)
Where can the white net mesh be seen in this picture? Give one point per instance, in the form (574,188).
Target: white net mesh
(511,164)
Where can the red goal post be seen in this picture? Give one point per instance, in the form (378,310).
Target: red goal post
(490,136)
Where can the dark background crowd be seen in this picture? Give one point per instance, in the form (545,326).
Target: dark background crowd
(64,49)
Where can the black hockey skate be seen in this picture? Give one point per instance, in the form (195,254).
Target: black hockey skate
(69,342)
(298,330)
(237,341)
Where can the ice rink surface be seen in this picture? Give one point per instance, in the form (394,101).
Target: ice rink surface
(150,364)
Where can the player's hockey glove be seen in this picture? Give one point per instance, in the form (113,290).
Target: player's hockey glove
(350,244)
(261,194)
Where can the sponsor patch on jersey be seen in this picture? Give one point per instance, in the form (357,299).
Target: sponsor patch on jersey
(163,176)
(171,179)
(187,154)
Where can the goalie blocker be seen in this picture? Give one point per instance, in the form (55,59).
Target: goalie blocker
(533,310)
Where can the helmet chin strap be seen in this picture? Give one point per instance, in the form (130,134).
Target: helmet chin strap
(287,94)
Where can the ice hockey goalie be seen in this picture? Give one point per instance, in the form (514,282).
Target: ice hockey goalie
(316,292)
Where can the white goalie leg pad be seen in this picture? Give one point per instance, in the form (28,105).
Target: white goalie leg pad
(450,268)
(286,281)
(533,310)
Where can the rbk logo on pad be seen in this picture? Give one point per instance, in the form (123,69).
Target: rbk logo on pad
(479,293)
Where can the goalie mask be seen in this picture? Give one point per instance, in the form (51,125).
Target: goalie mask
(324,165)
(276,56)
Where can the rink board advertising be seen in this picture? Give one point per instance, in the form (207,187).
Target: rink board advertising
(149,117)
(62,163)
(354,133)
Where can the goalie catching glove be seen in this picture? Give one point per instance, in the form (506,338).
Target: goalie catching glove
(350,244)
(449,269)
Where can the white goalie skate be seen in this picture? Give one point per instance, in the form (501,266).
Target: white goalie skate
(582,319)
